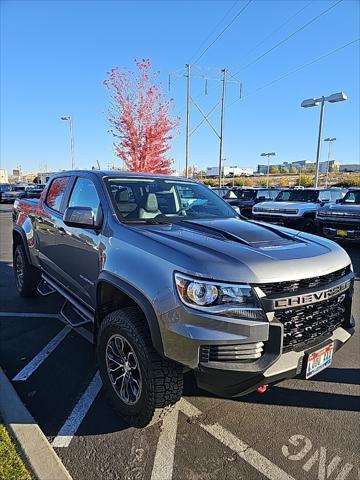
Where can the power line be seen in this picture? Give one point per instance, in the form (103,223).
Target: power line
(277,29)
(223,31)
(214,29)
(288,37)
(296,69)
(281,77)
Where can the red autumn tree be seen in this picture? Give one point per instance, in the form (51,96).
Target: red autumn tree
(140,119)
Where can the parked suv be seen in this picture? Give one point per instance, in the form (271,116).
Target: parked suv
(171,279)
(246,198)
(296,208)
(341,220)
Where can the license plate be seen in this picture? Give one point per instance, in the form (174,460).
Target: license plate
(341,233)
(319,360)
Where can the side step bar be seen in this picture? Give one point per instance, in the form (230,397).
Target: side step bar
(73,311)
(44,288)
(72,315)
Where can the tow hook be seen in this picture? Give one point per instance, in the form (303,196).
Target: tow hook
(262,389)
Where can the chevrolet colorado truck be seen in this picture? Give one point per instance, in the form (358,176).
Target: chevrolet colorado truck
(342,220)
(172,279)
(296,208)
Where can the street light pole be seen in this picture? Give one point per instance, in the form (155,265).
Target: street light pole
(321,122)
(313,102)
(268,155)
(330,140)
(222,124)
(69,119)
(187,152)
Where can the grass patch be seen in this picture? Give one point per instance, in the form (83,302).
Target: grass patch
(11,465)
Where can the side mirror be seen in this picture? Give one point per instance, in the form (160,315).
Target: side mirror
(338,200)
(261,199)
(237,209)
(82,217)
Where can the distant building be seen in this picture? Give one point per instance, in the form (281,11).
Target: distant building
(350,167)
(212,172)
(4,176)
(334,166)
(44,177)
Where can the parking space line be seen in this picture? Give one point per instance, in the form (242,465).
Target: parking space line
(165,451)
(73,422)
(251,456)
(29,315)
(35,363)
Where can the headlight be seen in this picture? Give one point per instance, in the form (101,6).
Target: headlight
(230,300)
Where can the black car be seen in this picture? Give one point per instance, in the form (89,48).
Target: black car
(246,198)
(342,219)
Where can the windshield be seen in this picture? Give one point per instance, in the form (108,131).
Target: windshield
(155,200)
(352,198)
(245,194)
(297,196)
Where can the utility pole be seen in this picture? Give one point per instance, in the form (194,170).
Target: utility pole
(187,154)
(222,124)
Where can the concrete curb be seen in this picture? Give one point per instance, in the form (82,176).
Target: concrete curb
(39,454)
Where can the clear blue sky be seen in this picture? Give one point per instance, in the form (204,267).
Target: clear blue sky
(54,58)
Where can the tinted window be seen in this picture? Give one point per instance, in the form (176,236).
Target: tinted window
(352,197)
(297,196)
(84,194)
(56,193)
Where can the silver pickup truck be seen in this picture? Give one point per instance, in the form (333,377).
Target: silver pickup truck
(172,279)
(296,208)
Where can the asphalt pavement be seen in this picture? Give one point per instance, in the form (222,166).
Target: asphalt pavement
(297,430)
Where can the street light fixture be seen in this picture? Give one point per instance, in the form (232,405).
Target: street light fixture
(69,119)
(268,155)
(330,140)
(314,102)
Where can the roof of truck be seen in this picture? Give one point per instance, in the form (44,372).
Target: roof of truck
(121,173)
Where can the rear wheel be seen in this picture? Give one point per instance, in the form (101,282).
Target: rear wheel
(27,277)
(141,385)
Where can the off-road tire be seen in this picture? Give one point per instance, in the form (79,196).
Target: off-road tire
(162,379)
(309,225)
(31,276)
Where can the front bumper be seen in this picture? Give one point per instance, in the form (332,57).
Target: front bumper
(339,228)
(236,383)
(232,357)
(287,221)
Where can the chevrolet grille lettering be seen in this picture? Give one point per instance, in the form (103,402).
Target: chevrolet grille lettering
(309,298)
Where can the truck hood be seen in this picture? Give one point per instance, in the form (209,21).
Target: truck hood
(290,205)
(242,251)
(341,209)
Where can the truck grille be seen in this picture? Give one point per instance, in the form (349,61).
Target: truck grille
(293,286)
(302,325)
(231,353)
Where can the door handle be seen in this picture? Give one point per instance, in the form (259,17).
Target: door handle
(61,230)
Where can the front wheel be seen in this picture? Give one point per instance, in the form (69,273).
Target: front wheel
(141,385)
(309,225)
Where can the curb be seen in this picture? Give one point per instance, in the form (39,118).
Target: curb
(38,453)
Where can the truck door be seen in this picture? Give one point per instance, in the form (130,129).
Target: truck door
(77,253)
(50,214)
